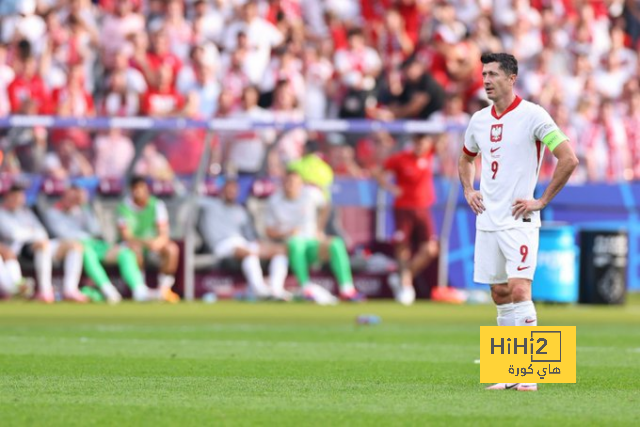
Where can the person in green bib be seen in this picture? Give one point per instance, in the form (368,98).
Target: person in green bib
(297,215)
(143,223)
(72,219)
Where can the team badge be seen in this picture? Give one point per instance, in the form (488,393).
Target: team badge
(496,133)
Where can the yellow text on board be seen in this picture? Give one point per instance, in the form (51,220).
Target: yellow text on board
(521,354)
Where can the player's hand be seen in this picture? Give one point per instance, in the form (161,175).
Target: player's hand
(474,199)
(522,208)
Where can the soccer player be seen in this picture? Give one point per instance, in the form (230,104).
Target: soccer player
(510,135)
(143,222)
(25,234)
(71,219)
(297,215)
(227,229)
(414,196)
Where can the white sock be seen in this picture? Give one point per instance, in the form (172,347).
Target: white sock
(13,267)
(166,280)
(253,273)
(525,314)
(278,270)
(6,284)
(42,260)
(72,271)
(506,315)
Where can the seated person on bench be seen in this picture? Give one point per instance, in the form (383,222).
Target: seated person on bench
(71,218)
(143,222)
(297,215)
(25,234)
(227,229)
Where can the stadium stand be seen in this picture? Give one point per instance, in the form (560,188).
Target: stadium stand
(192,60)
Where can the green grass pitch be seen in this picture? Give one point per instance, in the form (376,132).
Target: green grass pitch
(298,364)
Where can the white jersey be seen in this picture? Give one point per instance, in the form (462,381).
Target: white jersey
(512,149)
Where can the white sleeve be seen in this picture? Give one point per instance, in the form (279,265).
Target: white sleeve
(162,215)
(317,197)
(470,145)
(541,124)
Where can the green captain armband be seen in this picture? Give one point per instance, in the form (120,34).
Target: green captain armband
(554,138)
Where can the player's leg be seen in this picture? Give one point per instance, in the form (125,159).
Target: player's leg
(402,283)
(70,252)
(520,247)
(247,253)
(169,256)
(490,268)
(303,253)
(12,278)
(278,267)
(93,252)
(130,260)
(41,254)
(428,248)
(298,259)
(336,251)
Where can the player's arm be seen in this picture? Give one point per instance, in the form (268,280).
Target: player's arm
(567,163)
(382,178)
(467,172)
(162,228)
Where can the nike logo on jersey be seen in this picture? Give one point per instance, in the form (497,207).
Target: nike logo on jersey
(493,150)
(529,320)
(520,268)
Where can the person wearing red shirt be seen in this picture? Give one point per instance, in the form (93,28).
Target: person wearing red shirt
(28,88)
(162,100)
(414,195)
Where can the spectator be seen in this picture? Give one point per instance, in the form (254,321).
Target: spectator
(27,90)
(67,161)
(261,36)
(25,234)
(178,29)
(421,95)
(153,164)
(248,148)
(73,100)
(358,67)
(199,79)
(114,153)
(143,222)
(162,100)
(414,195)
(227,229)
(6,77)
(117,27)
(71,219)
(318,72)
(211,20)
(120,100)
(296,215)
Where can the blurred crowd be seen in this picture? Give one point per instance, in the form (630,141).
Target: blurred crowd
(314,59)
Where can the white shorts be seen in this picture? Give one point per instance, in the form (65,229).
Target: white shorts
(227,247)
(505,254)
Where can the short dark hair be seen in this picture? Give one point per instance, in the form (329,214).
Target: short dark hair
(137,179)
(508,63)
